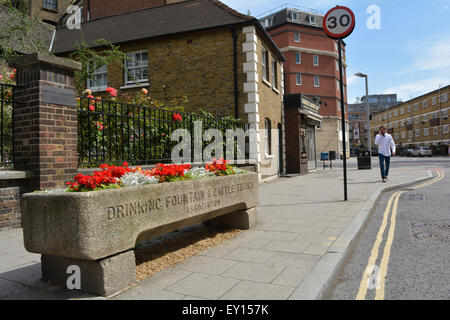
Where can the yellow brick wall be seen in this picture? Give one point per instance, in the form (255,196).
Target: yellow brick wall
(196,65)
(36,9)
(394,122)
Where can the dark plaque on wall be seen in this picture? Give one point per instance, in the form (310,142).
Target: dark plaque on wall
(56,95)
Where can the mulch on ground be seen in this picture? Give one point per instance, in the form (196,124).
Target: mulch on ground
(162,255)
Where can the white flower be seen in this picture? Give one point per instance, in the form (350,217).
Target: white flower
(237,170)
(198,173)
(132,179)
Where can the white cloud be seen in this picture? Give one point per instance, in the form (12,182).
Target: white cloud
(433,54)
(416,88)
(352,80)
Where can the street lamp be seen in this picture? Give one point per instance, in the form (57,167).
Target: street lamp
(369,133)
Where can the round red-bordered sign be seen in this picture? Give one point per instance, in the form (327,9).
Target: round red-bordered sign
(339,22)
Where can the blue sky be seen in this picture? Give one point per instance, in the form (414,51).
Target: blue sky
(409,55)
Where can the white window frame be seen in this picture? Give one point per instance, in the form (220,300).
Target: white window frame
(445,129)
(444,97)
(433,101)
(297,37)
(299,55)
(435,130)
(297,77)
(445,114)
(317,83)
(274,73)
(426,132)
(296,15)
(102,70)
(127,68)
(265,64)
(268,136)
(315,57)
(312,20)
(402,111)
(338,85)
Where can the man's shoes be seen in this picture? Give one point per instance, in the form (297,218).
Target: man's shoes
(384,180)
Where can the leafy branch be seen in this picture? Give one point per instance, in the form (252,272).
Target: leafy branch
(21,34)
(93,59)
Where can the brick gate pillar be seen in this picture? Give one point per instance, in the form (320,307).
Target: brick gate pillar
(45,119)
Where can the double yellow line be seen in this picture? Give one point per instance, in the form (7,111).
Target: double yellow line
(382,272)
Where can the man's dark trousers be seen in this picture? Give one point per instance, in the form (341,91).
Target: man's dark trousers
(384,168)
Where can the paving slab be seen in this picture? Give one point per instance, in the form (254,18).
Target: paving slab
(249,290)
(208,265)
(254,272)
(250,255)
(203,286)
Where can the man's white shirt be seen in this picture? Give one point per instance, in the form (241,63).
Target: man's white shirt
(385,144)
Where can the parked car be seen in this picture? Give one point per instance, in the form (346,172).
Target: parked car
(422,152)
(406,152)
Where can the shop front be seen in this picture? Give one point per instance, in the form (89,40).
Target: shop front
(301,119)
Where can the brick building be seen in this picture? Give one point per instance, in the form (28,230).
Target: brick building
(223,61)
(311,68)
(422,121)
(357,115)
(50,12)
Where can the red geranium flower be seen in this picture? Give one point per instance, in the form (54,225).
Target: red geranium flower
(176,117)
(92,107)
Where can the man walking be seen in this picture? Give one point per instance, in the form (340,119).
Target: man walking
(385,144)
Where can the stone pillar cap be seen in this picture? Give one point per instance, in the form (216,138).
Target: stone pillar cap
(34,58)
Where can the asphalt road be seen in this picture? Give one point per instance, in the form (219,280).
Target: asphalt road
(403,252)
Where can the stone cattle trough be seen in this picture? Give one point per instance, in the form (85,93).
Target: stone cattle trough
(98,230)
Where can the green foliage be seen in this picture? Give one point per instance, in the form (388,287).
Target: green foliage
(102,187)
(137,128)
(21,34)
(93,59)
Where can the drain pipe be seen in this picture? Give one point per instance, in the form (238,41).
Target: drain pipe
(53,40)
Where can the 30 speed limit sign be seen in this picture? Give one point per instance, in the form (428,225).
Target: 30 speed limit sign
(339,22)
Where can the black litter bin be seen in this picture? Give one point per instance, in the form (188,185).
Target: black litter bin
(364,160)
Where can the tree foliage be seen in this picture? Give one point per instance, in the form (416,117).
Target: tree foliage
(93,59)
(19,33)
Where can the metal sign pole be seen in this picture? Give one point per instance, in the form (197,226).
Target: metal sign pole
(344,146)
(339,23)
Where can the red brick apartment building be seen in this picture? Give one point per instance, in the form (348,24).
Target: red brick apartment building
(311,68)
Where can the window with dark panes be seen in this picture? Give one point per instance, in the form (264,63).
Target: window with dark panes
(50,4)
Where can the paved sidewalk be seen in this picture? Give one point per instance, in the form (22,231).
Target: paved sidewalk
(302,236)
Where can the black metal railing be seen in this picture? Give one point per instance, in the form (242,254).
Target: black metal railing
(113,132)
(7,125)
